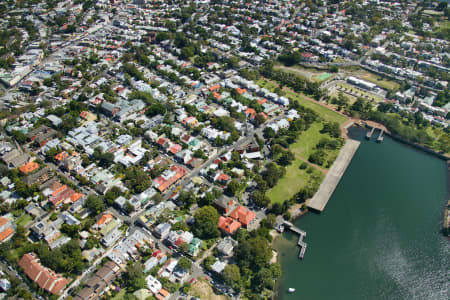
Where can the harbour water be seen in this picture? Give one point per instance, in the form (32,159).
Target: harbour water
(378,237)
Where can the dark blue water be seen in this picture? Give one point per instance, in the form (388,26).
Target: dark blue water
(379,236)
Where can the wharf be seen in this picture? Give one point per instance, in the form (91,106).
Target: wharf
(326,189)
(380,137)
(370,133)
(302,235)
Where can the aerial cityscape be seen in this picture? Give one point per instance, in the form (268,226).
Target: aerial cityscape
(224,150)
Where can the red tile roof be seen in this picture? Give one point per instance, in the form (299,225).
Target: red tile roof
(243,215)
(6,233)
(215,87)
(228,225)
(46,278)
(29,167)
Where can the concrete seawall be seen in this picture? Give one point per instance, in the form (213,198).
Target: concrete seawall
(326,189)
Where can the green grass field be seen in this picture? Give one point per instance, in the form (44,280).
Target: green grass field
(327,114)
(324,112)
(290,184)
(295,178)
(323,76)
(23,220)
(308,140)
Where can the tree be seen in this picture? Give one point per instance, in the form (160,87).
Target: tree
(136,179)
(185,263)
(318,157)
(273,173)
(332,128)
(135,276)
(95,204)
(259,119)
(187,198)
(128,207)
(269,133)
(232,188)
(276,270)
(269,221)
(253,253)
(260,199)
(263,279)
(70,230)
(206,221)
(232,275)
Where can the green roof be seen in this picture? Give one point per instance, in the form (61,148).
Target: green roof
(108,227)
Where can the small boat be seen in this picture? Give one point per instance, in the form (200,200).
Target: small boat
(291,290)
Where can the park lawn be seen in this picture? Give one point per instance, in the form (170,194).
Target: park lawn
(290,184)
(294,70)
(267,84)
(120,295)
(351,99)
(23,220)
(324,112)
(307,141)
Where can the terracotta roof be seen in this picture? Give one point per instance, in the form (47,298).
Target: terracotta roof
(215,87)
(76,196)
(164,184)
(3,221)
(223,177)
(243,215)
(46,278)
(241,91)
(6,233)
(62,155)
(228,224)
(104,219)
(59,190)
(29,167)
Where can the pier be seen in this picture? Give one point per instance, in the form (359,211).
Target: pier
(326,189)
(370,133)
(302,235)
(380,137)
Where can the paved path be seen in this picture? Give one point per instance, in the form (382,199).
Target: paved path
(326,189)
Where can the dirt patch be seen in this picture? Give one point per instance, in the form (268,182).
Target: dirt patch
(204,291)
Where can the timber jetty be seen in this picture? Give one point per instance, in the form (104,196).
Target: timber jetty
(370,133)
(301,233)
(326,189)
(380,137)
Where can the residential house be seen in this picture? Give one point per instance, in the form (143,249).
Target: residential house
(15,158)
(226,246)
(228,225)
(225,205)
(168,177)
(29,167)
(245,216)
(7,229)
(44,277)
